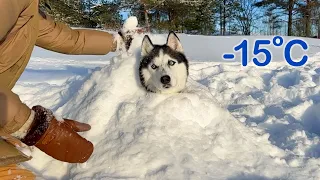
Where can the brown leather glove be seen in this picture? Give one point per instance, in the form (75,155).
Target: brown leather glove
(58,139)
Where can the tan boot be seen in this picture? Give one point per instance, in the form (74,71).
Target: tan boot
(9,151)
(14,172)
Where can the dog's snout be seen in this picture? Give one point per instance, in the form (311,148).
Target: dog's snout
(165,79)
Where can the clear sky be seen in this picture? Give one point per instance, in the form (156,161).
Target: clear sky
(124,14)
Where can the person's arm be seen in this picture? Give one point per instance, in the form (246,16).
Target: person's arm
(9,13)
(13,113)
(58,37)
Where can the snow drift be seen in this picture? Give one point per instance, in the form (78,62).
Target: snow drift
(231,123)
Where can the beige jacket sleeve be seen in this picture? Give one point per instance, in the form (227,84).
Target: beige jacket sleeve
(9,13)
(13,113)
(58,37)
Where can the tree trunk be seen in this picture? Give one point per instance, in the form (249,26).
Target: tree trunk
(172,20)
(158,17)
(273,30)
(224,17)
(146,18)
(221,20)
(308,19)
(290,13)
(247,30)
(319,26)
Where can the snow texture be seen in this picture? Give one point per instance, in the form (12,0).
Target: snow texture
(232,123)
(128,31)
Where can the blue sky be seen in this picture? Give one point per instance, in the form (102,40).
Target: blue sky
(124,14)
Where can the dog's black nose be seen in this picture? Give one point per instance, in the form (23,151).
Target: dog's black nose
(165,79)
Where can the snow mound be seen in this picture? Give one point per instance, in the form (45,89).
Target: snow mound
(179,136)
(231,123)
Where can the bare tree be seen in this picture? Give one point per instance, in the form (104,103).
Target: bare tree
(246,14)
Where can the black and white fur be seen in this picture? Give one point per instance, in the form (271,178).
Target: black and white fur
(163,68)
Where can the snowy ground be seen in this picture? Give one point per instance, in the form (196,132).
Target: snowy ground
(233,123)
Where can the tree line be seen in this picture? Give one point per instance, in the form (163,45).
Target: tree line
(207,17)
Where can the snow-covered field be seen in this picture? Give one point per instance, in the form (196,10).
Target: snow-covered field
(233,123)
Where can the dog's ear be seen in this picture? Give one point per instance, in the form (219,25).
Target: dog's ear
(174,43)
(147,46)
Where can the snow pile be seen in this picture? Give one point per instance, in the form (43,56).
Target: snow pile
(231,123)
(130,24)
(177,136)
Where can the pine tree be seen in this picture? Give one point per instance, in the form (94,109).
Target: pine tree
(285,5)
(273,20)
(107,15)
(226,9)
(181,16)
(306,9)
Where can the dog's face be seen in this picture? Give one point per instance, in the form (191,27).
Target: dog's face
(163,68)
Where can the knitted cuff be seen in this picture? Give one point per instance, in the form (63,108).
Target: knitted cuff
(40,125)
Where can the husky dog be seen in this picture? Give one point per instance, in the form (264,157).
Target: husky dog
(163,68)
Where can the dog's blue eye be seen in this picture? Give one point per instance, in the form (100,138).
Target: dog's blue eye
(154,66)
(171,63)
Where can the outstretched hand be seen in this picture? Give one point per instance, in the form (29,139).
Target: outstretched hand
(59,139)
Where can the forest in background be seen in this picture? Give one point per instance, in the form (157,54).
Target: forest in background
(206,17)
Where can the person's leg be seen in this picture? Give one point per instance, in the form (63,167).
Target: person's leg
(13,172)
